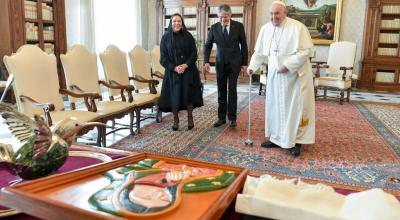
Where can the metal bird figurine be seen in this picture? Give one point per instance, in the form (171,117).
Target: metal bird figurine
(35,151)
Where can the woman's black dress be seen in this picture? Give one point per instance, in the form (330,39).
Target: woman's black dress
(179,90)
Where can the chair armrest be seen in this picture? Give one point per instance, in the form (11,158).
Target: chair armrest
(157,74)
(152,82)
(115,85)
(47,107)
(81,94)
(318,62)
(319,66)
(344,71)
(87,97)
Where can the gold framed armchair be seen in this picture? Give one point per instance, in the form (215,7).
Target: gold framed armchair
(338,70)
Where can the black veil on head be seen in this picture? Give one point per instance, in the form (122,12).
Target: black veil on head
(170,37)
(170,22)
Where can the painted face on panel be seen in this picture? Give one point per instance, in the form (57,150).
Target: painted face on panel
(224,18)
(278,14)
(149,196)
(176,23)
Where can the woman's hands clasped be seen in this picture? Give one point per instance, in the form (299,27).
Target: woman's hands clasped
(181,68)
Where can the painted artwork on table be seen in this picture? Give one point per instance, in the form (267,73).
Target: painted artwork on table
(153,187)
(322,18)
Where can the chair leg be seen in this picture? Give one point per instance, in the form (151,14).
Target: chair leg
(348,95)
(101,136)
(113,124)
(341,97)
(131,119)
(104,139)
(260,89)
(137,120)
(158,116)
(315,91)
(325,92)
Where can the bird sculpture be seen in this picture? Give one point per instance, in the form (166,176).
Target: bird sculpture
(36,150)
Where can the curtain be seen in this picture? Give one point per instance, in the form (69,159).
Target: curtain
(118,23)
(80,23)
(99,23)
(96,24)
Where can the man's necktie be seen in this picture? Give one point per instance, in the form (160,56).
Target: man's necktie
(225,33)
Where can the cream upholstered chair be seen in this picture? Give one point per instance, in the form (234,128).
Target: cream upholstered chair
(36,87)
(339,69)
(80,68)
(157,69)
(116,73)
(142,76)
(141,70)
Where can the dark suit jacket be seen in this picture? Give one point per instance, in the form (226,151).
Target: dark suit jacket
(235,48)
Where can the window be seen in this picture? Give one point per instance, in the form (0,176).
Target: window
(117,22)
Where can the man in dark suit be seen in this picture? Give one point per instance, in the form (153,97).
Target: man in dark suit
(230,38)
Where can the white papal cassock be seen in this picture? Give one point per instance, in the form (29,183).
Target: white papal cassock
(290,105)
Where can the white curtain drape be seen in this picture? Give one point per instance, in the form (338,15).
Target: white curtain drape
(99,23)
(80,23)
(118,23)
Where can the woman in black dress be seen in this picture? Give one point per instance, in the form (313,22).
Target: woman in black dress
(182,88)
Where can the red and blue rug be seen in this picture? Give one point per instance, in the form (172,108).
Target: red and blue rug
(357,144)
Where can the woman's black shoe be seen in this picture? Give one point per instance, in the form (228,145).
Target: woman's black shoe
(175,126)
(190,123)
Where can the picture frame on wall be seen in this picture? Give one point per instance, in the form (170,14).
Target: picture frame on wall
(321,17)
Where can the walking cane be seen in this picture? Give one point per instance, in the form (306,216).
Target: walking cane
(249,141)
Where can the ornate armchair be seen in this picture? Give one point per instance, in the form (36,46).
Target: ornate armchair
(157,70)
(143,75)
(116,73)
(339,69)
(141,70)
(80,68)
(36,88)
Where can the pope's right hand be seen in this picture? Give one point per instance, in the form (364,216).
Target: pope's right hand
(207,67)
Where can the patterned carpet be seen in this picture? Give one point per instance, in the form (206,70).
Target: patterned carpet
(357,144)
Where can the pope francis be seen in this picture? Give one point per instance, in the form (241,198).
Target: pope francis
(290,106)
